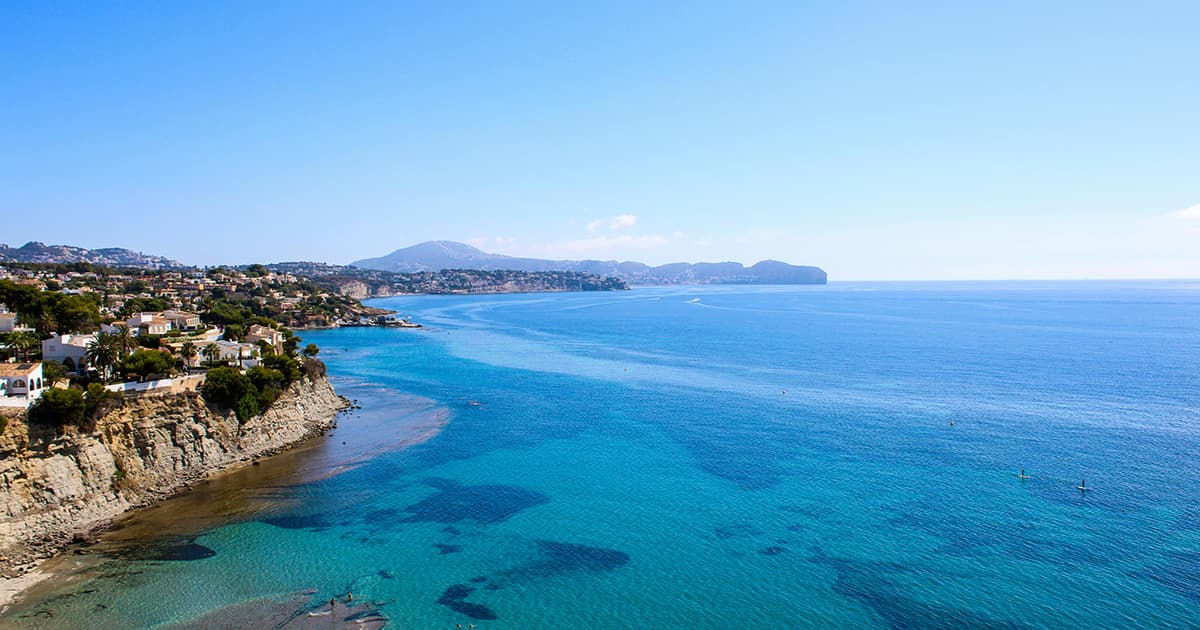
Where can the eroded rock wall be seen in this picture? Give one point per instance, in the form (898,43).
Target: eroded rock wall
(53,488)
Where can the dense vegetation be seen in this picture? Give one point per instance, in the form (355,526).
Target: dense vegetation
(59,408)
(50,311)
(249,394)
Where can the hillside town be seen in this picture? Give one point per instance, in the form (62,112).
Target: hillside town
(135,331)
(360,283)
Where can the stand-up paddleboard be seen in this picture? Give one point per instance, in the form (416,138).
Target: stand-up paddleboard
(1082,487)
(1022,475)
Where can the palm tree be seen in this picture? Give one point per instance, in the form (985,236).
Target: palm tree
(124,340)
(103,354)
(213,352)
(23,342)
(187,352)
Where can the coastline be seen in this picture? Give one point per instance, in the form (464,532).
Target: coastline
(78,504)
(234,492)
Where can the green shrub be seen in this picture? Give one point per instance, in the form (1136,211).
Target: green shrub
(229,388)
(146,363)
(285,364)
(58,408)
(53,371)
(224,386)
(268,382)
(99,401)
(247,407)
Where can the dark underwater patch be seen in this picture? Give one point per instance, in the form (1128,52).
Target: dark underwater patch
(298,521)
(455,598)
(555,558)
(771,551)
(444,549)
(487,504)
(168,551)
(865,583)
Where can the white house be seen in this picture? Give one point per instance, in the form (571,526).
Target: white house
(148,324)
(22,379)
(241,354)
(182,320)
(8,322)
(70,350)
(265,333)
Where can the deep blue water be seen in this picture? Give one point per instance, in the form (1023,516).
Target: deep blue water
(729,457)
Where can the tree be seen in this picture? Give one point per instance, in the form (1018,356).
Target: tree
(187,352)
(268,383)
(286,365)
(24,342)
(311,350)
(99,401)
(229,388)
(103,354)
(212,352)
(235,332)
(265,348)
(290,342)
(58,408)
(53,371)
(70,313)
(124,340)
(137,286)
(147,363)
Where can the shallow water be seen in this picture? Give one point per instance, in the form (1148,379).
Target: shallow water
(723,457)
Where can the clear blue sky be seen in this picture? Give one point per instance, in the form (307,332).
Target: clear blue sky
(886,140)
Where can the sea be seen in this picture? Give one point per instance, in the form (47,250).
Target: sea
(856,455)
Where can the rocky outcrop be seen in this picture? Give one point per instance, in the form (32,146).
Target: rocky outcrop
(54,488)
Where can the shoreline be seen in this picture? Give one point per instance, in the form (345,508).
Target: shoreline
(228,494)
(31,574)
(11,588)
(45,527)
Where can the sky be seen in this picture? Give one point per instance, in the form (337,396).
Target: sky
(878,140)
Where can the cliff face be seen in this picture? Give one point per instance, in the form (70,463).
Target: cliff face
(53,488)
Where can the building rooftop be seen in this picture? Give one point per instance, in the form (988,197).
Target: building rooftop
(18,369)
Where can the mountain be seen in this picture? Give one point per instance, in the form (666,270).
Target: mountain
(35,252)
(439,255)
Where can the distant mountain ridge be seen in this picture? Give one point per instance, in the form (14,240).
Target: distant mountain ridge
(439,255)
(35,252)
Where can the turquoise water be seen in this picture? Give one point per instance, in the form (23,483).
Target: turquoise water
(730,457)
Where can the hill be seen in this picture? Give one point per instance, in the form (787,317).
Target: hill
(35,252)
(439,255)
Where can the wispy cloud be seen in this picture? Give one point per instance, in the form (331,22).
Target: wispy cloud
(1192,212)
(619,222)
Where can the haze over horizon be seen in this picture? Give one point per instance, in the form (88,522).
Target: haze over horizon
(874,140)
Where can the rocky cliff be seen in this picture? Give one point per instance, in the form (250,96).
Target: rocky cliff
(53,488)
